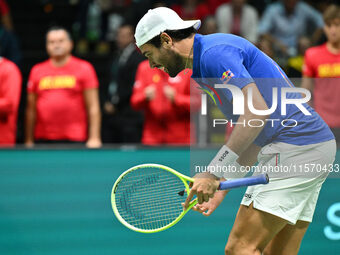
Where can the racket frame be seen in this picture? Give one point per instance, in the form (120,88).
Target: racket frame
(184,179)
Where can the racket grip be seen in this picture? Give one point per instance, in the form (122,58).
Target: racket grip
(248,181)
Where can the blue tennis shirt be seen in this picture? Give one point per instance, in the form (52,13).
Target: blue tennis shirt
(232,60)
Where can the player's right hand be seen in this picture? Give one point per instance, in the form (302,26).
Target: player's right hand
(203,187)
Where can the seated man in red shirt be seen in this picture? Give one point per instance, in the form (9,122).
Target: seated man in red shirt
(10,87)
(323,63)
(166,104)
(62,101)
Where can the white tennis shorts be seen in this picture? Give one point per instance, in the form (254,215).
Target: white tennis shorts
(296,175)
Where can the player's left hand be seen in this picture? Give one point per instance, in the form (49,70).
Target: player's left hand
(203,188)
(207,208)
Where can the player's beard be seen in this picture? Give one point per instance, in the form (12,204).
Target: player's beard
(174,63)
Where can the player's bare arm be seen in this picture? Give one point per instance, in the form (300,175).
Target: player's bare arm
(247,158)
(243,136)
(205,184)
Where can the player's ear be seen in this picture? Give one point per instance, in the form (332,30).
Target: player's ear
(166,41)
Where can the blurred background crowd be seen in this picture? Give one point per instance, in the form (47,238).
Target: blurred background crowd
(70,71)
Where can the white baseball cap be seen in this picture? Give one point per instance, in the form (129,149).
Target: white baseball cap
(157,20)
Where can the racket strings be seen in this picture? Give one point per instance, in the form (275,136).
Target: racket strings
(140,207)
(142,216)
(148,198)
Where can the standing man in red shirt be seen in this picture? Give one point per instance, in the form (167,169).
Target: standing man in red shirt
(10,87)
(323,63)
(166,104)
(62,101)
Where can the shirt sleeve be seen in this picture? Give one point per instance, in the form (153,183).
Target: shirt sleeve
(32,84)
(89,77)
(308,68)
(227,64)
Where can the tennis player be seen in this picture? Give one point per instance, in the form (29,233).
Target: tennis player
(272,218)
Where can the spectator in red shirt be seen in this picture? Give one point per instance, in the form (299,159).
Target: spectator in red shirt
(10,87)
(323,62)
(62,101)
(166,104)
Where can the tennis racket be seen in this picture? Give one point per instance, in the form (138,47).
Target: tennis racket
(148,198)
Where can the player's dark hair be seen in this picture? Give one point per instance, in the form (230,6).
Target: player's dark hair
(176,35)
(56,28)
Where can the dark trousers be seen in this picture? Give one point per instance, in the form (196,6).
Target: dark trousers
(121,129)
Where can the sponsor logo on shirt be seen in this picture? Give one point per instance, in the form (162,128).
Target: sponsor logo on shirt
(57,82)
(226,76)
(156,78)
(329,70)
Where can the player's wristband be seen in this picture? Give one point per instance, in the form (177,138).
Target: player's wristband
(225,165)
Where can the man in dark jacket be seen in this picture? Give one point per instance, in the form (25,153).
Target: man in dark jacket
(121,124)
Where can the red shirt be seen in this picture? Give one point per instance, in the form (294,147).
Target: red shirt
(165,122)
(10,87)
(325,66)
(60,106)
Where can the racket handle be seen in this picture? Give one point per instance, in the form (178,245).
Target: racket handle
(248,181)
